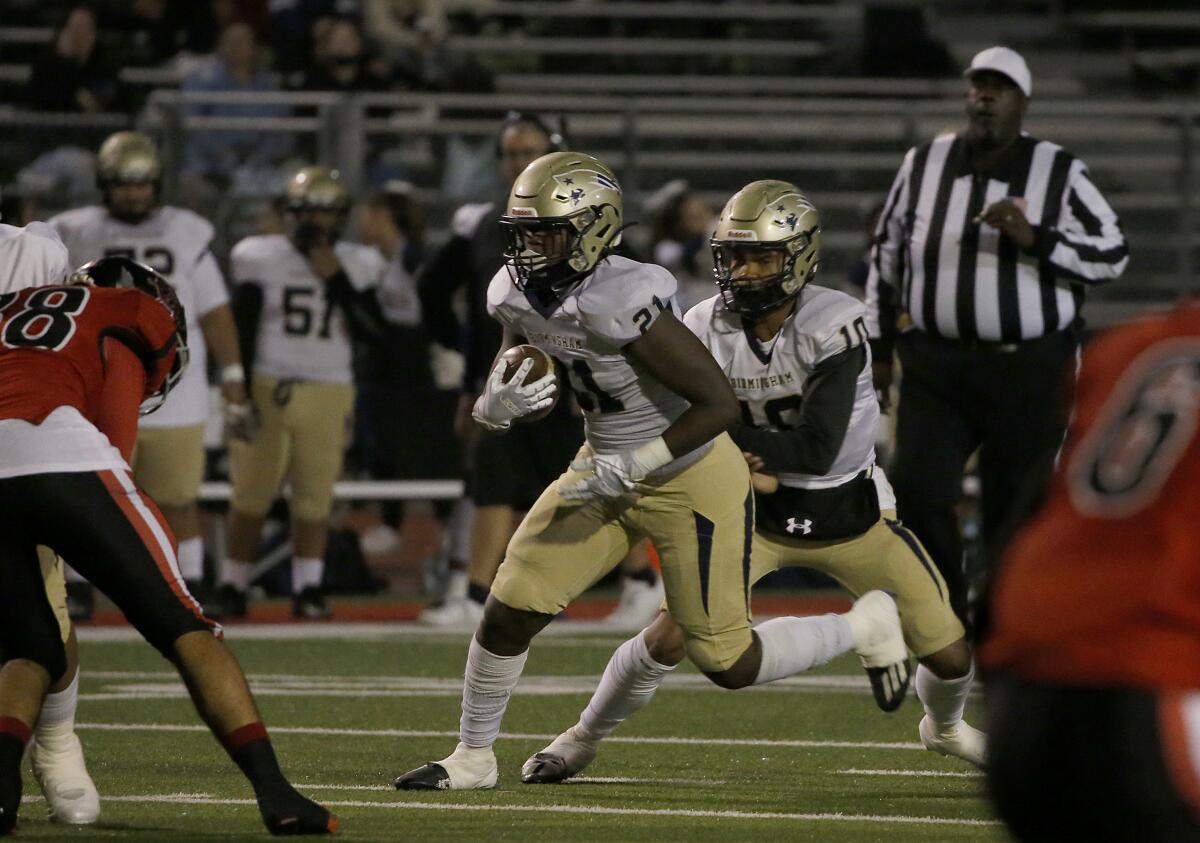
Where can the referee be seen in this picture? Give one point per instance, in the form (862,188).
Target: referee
(983,251)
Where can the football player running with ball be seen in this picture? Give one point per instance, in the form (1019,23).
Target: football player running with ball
(659,463)
(797,358)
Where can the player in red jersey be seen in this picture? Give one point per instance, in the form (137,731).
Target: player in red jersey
(1094,648)
(76,362)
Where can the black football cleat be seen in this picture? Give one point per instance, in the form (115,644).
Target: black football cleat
(432,776)
(566,756)
(292,815)
(464,769)
(309,605)
(890,684)
(229,603)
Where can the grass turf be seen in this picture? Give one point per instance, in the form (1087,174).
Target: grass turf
(349,715)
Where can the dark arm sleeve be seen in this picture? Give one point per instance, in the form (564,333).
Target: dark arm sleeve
(440,279)
(364,317)
(811,446)
(247,309)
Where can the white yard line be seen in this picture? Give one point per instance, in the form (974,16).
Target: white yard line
(387,788)
(422,733)
(875,819)
(939,774)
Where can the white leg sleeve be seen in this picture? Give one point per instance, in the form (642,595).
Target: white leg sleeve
(944,699)
(629,682)
(794,645)
(488,684)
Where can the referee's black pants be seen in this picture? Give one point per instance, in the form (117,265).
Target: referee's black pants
(1010,402)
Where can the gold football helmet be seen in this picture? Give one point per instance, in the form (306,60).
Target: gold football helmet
(317,189)
(127,158)
(563,217)
(766,247)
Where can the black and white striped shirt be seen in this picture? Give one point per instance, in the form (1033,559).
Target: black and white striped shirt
(963,280)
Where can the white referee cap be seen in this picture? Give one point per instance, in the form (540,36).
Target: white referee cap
(1006,61)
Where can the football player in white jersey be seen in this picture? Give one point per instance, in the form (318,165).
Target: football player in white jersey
(796,356)
(168,463)
(34,256)
(300,298)
(660,464)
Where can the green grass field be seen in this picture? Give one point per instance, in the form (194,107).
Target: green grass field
(805,759)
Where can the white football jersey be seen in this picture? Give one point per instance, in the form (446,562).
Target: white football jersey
(623,406)
(32,256)
(176,243)
(769,378)
(301,335)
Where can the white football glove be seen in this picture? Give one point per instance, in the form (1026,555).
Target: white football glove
(615,474)
(502,402)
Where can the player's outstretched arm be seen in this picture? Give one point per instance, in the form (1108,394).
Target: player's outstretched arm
(674,355)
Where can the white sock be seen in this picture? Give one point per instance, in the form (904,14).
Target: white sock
(71,574)
(58,714)
(944,699)
(236,574)
(191,559)
(794,645)
(629,682)
(306,573)
(456,586)
(487,685)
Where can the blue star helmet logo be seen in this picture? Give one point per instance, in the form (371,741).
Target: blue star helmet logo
(576,196)
(791,221)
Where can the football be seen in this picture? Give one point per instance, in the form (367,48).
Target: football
(543,363)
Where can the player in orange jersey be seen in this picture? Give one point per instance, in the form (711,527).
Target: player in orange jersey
(76,363)
(1094,646)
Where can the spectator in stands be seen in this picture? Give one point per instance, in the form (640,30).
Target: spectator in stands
(290,28)
(683,222)
(986,243)
(410,34)
(74,76)
(343,63)
(150,31)
(208,21)
(221,156)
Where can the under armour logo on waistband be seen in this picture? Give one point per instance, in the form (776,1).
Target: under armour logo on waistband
(804,526)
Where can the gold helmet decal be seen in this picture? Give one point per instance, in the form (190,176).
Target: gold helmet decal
(564,215)
(317,188)
(766,246)
(127,158)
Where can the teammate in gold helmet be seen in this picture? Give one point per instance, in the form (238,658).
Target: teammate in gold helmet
(766,247)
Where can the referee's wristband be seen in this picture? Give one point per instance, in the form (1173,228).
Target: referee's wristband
(233,373)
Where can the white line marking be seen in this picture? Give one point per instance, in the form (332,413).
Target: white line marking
(635,780)
(387,788)
(560,633)
(421,733)
(205,799)
(946,774)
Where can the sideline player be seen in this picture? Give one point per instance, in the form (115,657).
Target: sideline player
(300,298)
(34,256)
(168,460)
(797,358)
(77,362)
(1093,654)
(656,407)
